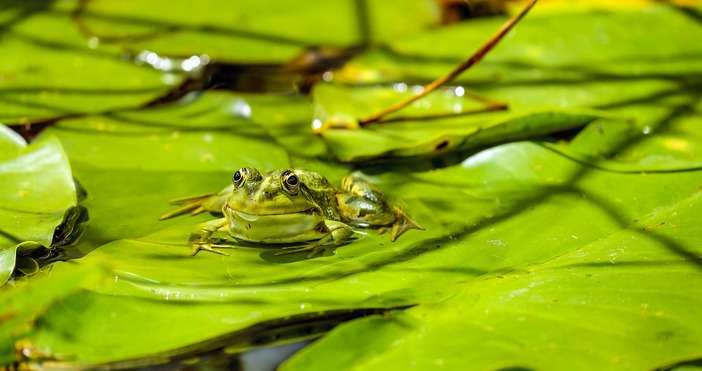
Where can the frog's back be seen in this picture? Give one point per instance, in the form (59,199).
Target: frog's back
(321,191)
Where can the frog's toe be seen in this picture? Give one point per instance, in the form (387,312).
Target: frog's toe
(189,208)
(206,246)
(192,205)
(403,223)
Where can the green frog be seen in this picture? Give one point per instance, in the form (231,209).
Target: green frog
(291,206)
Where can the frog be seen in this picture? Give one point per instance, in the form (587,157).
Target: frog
(291,207)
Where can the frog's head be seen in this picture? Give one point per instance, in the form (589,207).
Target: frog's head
(276,192)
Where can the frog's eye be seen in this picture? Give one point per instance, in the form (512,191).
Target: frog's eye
(238,178)
(291,182)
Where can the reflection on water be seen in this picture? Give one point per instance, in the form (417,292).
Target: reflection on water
(192,64)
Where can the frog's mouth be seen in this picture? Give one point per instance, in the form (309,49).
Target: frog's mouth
(255,216)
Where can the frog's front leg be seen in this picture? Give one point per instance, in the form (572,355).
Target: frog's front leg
(363,203)
(337,233)
(201,236)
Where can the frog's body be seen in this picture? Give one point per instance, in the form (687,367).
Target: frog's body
(292,206)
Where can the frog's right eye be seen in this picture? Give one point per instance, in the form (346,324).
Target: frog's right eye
(238,178)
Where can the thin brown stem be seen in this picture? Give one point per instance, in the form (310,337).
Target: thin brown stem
(475,58)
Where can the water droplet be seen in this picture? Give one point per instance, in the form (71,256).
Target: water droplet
(93,42)
(190,63)
(241,108)
(316,124)
(400,87)
(150,58)
(163,64)
(460,91)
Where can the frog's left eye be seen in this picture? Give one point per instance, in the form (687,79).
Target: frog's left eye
(291,182)
(238,178)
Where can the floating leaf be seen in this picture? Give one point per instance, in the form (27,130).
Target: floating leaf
(37,190)
(548,63)
(55,72)
(413,136)
(621,301)
(25,303)
(204,133)
(508,229)
(254,31)
(512,200)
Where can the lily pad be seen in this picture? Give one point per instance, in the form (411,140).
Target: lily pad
(25,303)
(618,302)
(37,188)
(510,192)
(255,31)
(55,72)
(535,255)
(594,62)
(412,135)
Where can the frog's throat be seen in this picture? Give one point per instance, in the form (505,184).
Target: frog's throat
(246,215)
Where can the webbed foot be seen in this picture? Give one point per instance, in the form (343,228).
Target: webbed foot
(201,237)
(197,246)
(403,223)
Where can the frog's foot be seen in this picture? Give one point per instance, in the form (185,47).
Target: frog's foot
(201,237)
(198,246)
(403,223)
(192,205)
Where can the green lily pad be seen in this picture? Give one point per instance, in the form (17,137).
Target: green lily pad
(37,188)
(253,31)
(510,192)
(593,62)
(55,72)
(621,301)
(535,255)
(22,305)
(200,134)
(410,136)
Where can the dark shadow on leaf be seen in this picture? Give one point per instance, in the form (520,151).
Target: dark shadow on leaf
(83,13)
(692,364)
(279,256)
(689,11)
(10,236)
(238,130)
(540,195)
(23,9)
(299,326)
